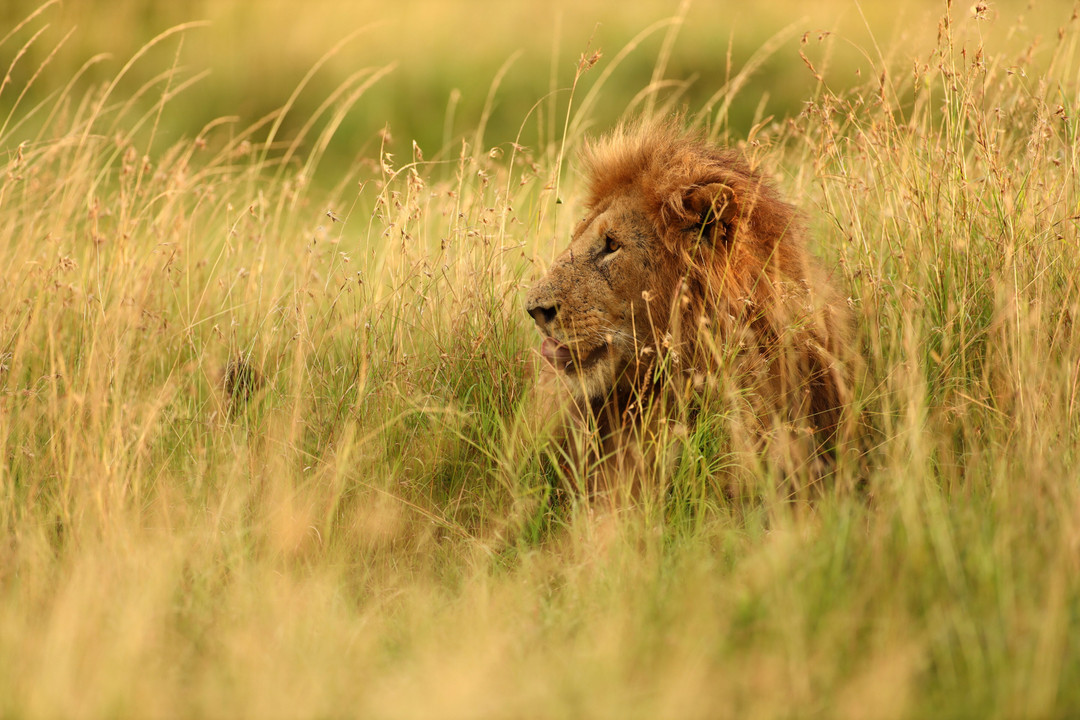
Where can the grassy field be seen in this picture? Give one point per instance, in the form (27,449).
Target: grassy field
(257,375)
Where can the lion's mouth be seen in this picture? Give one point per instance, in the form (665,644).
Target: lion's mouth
(561,357)
(556,353)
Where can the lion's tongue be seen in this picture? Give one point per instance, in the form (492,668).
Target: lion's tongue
(555,352)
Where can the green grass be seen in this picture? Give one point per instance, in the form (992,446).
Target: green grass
(368,536)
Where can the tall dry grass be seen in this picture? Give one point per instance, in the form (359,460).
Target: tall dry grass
(252,428)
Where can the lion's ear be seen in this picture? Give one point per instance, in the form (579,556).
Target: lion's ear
(713,208)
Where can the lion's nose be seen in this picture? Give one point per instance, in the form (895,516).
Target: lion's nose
(542,313)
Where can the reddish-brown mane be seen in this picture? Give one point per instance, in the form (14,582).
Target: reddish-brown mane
(660,163)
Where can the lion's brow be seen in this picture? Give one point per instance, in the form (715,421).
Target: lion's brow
(586,222)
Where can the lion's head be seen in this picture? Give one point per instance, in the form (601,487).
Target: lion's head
(684,248)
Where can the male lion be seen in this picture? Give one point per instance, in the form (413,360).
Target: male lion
(688,276)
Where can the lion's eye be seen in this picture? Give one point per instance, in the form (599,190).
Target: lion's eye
(611,244)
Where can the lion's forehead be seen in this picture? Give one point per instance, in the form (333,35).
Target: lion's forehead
(620,216)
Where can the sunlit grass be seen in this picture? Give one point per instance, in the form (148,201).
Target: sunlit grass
(256,429)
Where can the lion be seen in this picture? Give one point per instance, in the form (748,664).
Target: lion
(687,274)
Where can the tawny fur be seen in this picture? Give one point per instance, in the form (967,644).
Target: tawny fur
(689,262)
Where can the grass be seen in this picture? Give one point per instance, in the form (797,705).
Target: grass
(254,425)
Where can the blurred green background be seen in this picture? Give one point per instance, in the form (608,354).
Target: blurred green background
(250,55)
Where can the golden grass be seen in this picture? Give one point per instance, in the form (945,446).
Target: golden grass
(251,425)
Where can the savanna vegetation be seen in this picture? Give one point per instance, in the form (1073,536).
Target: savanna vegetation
(262,343)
